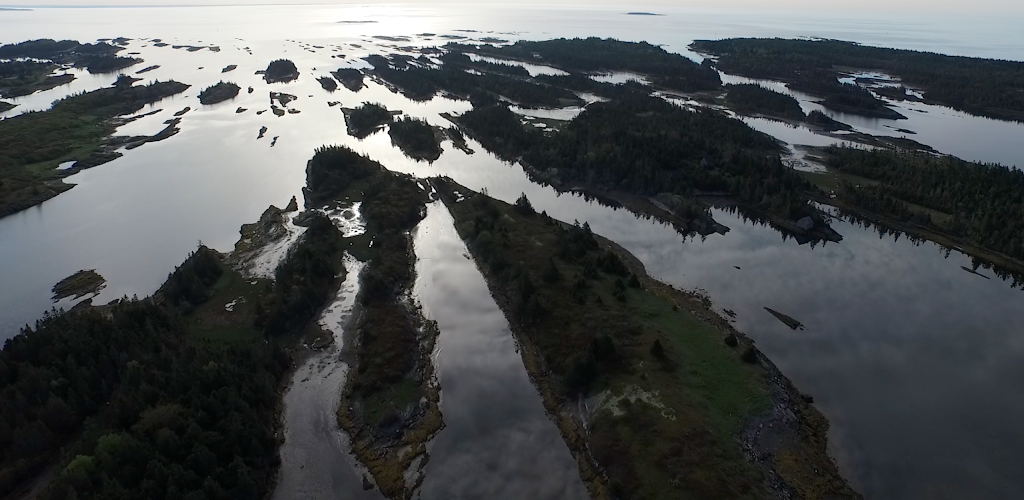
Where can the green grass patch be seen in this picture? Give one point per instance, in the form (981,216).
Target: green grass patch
(212,322)
(396,398)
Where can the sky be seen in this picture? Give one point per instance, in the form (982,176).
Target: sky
(975,7)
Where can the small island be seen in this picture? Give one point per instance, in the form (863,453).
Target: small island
(754,99)
(281,71)
(416,138)
(366,119)
(787,320)
(351,78)
(219,92)
(827,123)
(106,63)
(78,285)
(327,83)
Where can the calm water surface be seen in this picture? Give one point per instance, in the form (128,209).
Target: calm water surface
(316,463)
(915,362)
(497,441)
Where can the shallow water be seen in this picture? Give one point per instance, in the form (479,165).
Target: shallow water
(913,360)
(534,69)
(315,458)
(973,138)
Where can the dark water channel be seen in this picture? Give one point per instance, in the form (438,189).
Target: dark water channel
(497,441)
(315,458)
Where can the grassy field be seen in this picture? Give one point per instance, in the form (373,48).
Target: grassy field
(668,388)
(229,315)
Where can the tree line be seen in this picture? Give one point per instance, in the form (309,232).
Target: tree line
(753,98)
(985,201)
(421,81)
(647,146)
(593,54)
(63,51)
(987,87)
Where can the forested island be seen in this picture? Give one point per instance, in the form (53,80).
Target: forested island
(390,402)
(351,78)
(366,119)
(327,83)
(106,63)
(978,208)
(754,99)
(281,71)
(596,55)
(60,52)
(656,157)
(825,122)
(219,92)
(843,97)
(675,399)
(421,83)
(20,78)
(416,138)
(75,128)
(28,67)
(984,87)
